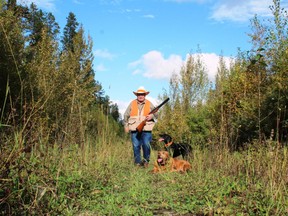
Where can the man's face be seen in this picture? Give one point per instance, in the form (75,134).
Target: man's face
(141,97)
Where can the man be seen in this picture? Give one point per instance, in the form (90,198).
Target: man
(137,111)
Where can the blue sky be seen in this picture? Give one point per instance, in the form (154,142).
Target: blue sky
(142,42)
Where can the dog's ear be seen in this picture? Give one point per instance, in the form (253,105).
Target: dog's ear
(166,154)
(168,138)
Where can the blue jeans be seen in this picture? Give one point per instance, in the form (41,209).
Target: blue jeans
(141,140)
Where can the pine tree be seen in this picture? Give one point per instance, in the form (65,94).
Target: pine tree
(78,84)
(11,59)
(70,30)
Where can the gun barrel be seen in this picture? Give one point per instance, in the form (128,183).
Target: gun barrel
(160,105)
(143,123)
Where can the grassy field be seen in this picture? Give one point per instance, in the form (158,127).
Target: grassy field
(252,183)
(104,181)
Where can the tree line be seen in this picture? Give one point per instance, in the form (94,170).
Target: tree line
(48,88)
(54,113)
(248,102)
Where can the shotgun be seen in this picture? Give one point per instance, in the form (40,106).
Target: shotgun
(143,123)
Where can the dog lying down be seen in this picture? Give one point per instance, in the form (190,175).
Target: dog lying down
(165,163)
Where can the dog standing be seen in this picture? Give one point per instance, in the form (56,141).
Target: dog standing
(178,149)
(165,163)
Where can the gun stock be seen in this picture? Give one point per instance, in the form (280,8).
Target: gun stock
(141,126)
(143,123)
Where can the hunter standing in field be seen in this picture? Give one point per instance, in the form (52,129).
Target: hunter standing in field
(137,111)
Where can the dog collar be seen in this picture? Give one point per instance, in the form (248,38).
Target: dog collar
(168,144)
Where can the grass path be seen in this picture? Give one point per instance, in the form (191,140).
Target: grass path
(104,181)
(122,189)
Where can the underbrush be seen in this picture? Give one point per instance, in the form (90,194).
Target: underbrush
(103,180)
(224,184)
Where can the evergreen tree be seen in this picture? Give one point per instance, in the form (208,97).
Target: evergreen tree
(11,59)
(78,83)
(70,30)
(37,22)
(114,111)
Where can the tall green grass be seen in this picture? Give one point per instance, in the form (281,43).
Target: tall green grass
(104,181)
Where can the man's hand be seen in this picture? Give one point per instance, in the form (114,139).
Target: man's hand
(126,129)
(149,117)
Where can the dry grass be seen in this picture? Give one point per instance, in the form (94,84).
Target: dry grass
(104,181)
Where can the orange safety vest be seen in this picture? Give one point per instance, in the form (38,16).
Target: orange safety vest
(134,108)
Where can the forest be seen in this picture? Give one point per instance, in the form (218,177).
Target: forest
(63,148)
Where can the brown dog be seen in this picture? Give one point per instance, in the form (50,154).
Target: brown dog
(165,163)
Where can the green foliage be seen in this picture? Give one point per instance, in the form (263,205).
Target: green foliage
(198,121)
(37,20)
(70,31)
(49,105)
(271,45)
(11,45)
(186,91)
(249,100)
(63,151)
(104,181)
(43,87)
(241,107)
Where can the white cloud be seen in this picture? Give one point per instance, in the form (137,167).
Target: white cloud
(154,65)
(78,2)
(103,54)
(150,16)
(236,10)
(113,2)
(48,5)
(100,67)
(211,61)
(131,10)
